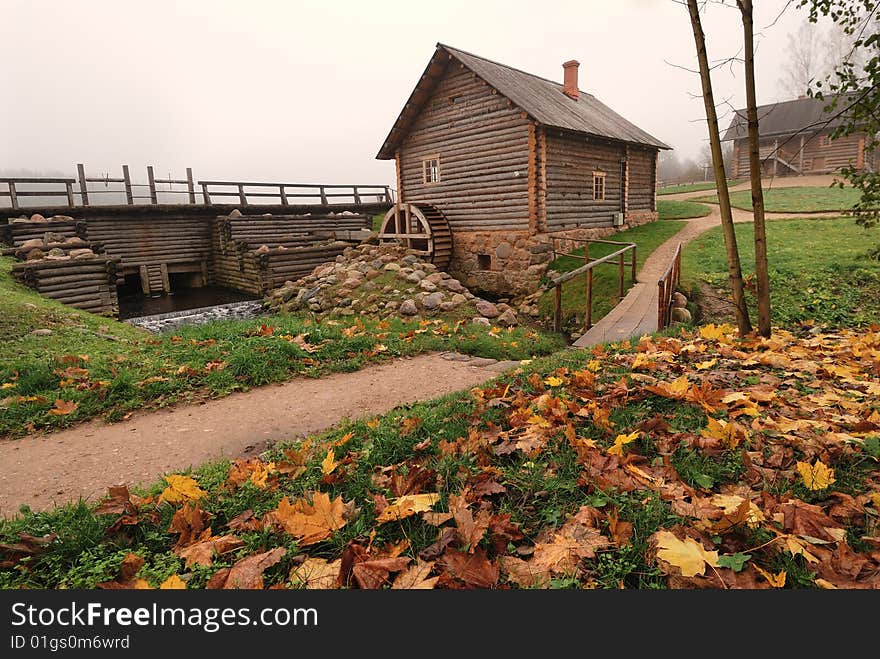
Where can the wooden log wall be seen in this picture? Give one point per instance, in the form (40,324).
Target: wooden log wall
(642,179)
(482,141)
(15,233)
(571,161)
(819,155)
(85,283)
(152,241)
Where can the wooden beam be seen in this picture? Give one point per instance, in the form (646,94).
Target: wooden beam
(533,181)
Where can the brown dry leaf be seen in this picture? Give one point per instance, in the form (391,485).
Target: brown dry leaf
(687,555)
(436,518)
(191,522)
(408,506)
(470,530)
(300,340)
(621,531)
(415,577)
(294,464)
(251,470)
(63,407)
(409,425)
(560,552)
(247,573)
(775,580)
(181,489)
(523,573)
(374,573)
(128,579)
(417,478)
(475,570)
(117,502)
(676,389)
(316,574)
(203,552)
(311,522)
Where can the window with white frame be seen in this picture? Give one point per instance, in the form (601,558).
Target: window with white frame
(599,185)
(431,170)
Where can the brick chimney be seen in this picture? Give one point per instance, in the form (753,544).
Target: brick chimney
(570,79)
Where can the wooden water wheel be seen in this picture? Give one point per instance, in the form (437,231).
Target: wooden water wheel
(422,228)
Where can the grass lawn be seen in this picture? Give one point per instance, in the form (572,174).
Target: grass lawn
(610,468)
(818,270)
(795,200)
(647,238)
(681,210)
(692,187)
(98,366)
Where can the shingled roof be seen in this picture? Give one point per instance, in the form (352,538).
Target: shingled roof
(802,115)
(542,99)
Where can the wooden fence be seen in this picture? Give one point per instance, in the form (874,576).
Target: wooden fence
(668,283)
(587,269)
(76,191)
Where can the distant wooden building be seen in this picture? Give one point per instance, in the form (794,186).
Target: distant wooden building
(795,139)
(493,162)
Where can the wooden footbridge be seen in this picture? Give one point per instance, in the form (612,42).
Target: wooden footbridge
(78,239)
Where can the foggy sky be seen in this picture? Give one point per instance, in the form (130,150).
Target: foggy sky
(306,92)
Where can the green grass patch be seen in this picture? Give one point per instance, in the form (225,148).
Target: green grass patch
(819,270)
(692,187)
(647,238)
(795,200)
(109,368)
(681,210)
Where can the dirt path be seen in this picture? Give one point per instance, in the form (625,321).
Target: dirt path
(44,470)
(811,181)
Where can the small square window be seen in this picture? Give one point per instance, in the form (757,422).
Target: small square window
(599,186)
(824,140)
(431,170)
(484,262)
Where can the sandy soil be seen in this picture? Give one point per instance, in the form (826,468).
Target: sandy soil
(44,470)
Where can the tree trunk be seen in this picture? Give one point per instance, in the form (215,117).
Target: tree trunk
(734,270)
(761,267)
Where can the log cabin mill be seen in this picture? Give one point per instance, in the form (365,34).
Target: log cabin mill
(795,139)
(493,163)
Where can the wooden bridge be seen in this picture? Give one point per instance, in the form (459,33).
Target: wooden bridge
(77,193)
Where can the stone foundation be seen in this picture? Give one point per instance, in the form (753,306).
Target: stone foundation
(511,263)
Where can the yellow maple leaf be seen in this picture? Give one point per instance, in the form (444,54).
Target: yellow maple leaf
(173,582)
(676,389)
(775,580)
(796,546)
(716,332)
(726,431)
(553,381)
(7,385)
(875,499)
(63,407)
(817,476)
(642,361)
(594,365)
(329,463)
(311,522)
(620,441)
(181,489)
(373,423)
(730,504)
(316,573)
(408,505)
(702,366)
(687,555)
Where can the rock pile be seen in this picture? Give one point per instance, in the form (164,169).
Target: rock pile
(680,313)
(385,281)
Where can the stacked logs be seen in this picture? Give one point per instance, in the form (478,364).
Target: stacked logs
(258,253)
(87,283)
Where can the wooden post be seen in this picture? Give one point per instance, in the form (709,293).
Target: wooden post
(660,296)
(634,264)
(145,279)
(241,196)
(775,156)
(357,197)
(588,318)
(205,194)
(126,181)
(388,198)
(70,200)
(166,281)
(620,276)
(152,181)
(557,309)
(12,195)
(323,196)
(283,195)
(801,156)
(83,187)
(190,186)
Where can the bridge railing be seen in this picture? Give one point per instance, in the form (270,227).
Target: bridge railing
(284,192)
(121,190)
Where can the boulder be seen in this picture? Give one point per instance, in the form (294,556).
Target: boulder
(57,251)
(679,300)
(35,254)
(508,319)
(479,320)
(235,213)
(80,253)
(36,217)
(42,332)
(262,249)
(409,308)
(392,266)
(452,285)
(432,301)
(487,309)
(681,315)
(427,286)
(31,244)
(458,299)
